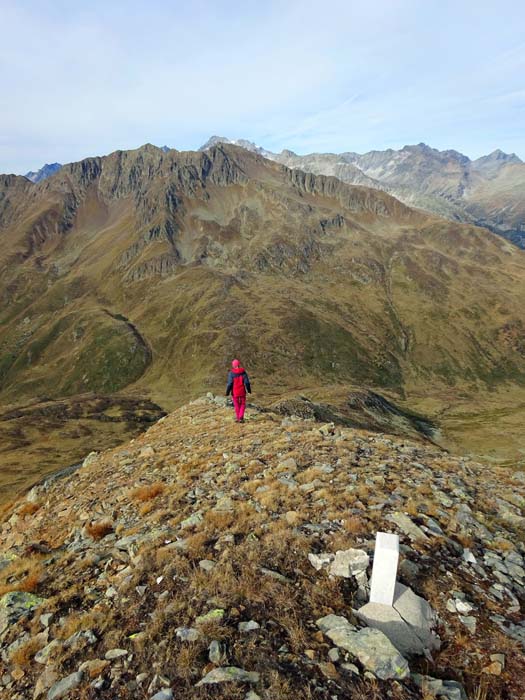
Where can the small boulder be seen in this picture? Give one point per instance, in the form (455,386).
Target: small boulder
(115,654)
(93,667)
(15,605)
(229,674)
(165,694)
(248,626)
(320,561)
(64,686)
(373,648)
(349,562)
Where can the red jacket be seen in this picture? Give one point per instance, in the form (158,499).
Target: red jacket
(238,382)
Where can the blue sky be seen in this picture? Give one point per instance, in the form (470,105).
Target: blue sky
(87,78)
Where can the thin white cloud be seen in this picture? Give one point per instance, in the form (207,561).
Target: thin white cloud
(83,79)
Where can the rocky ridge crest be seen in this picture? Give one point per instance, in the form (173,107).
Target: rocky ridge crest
(186,563)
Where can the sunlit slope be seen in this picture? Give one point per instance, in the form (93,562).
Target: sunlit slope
(150,270)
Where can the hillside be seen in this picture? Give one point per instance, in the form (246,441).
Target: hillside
(487,191)
(142,273)
(197,561)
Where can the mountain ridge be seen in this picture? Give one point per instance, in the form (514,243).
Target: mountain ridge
(208,558)
(447,183)
(144,272)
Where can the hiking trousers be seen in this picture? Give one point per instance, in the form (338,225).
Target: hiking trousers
(239,404)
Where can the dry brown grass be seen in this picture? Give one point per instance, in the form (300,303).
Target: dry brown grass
(28,509)
(23,655)
(82,620)
(30,569)
(355,525)
(362,491)
(146,508)
(146,493)
(186,661)
(502,544)
(411,507)
(99,529)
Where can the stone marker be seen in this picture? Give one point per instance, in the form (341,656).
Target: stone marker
(384,571)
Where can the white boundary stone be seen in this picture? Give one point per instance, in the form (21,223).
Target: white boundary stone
(384,571)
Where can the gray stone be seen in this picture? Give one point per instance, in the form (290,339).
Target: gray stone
(409,569)
(334,655)
(229,674)
(187,634)
(115,654)
(433,527)
(469,557)
(15,605)
(248,626)
(46,619)
(463,606)
(43,656)
(373,648)
(166,694)
(320,561)
(289,482)
(350,668)
(288,464)
(417,613)
(192,521)
(469,621)
(406,525)
(349,562)
(206,564)
(276,575)
(215,652)
(386,619)
(252,695)
(436,688)
(64,686)
(329,622)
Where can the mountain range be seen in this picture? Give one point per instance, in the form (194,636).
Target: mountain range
(488,191)
(146,271)
(207,558)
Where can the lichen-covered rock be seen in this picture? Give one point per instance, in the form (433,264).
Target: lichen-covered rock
(15,605)
(373,649)
(228,674)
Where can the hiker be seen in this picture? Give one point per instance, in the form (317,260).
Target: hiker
(238,385)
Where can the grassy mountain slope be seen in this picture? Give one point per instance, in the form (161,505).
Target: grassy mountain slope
(147,271)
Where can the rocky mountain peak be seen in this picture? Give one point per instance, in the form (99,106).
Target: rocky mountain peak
(45,171)
(497,157)
(213,141)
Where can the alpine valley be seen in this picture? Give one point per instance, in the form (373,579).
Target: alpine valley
(128,282)
(207,559)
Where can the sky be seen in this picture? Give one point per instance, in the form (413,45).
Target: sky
(79,79)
